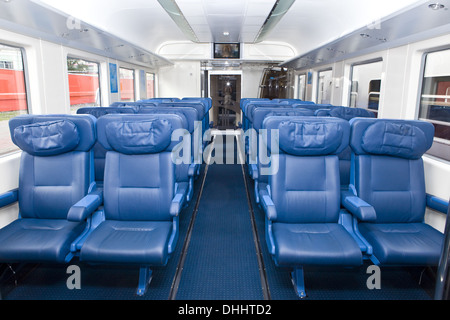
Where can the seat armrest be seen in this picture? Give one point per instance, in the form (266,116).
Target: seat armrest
(9,197)
(267,205)
(86,206)
(358,207)
(177,202)
(193,168)
(436,203)
(253,170)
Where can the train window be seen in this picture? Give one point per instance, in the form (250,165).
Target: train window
(302,86)
(84,83)
(126,84)
(13,96)
(150,78)
(435,100)
(366,85)
(325,84)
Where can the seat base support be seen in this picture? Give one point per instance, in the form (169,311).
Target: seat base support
(298,281)
(145,276)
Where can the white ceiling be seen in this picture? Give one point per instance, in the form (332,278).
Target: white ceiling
(307,25)
(240,20)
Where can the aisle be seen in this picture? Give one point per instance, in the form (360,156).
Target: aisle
(221,261)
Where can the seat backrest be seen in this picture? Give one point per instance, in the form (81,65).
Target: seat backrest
(139,170)
(101,111)
(244,101)
(322,113)
(250,107)
(189,114)
(349,113)
(207,102)
(158,100)
(306,186)
(259,114)
(387,168)
(56,168)
(200,107)
(99,151)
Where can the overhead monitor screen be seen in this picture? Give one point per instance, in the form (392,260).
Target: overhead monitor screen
(227,51)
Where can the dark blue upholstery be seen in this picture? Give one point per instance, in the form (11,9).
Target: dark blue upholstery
(99,151)
(302,200)
(56,171)
(141,197)
(185,171)
(348,113)
(345,113)
(259,115)
(388,174)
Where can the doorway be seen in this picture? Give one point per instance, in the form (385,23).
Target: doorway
(225,92)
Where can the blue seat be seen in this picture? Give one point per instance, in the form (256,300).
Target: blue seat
(346,113)
(388,179)
(139,219)
(302,199)
(99,151)
(56,171)
(259,116)
(207,104)
(189,168)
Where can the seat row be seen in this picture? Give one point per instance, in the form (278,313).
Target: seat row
(203,105)
(193,113)
(257,113)
(132,219)
(312,221)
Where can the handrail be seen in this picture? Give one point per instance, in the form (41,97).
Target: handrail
(441,280)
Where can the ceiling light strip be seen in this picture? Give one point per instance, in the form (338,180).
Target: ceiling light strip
(177,16)
(278,11)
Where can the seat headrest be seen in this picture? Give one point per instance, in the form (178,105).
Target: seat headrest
(139,137)
(138,133)
(308,136)
(348,113)
(261,113)
(408,139)
(322,112)
(47,135)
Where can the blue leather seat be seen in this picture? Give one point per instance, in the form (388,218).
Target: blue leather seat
(302,199)
(388,179)
(259,116)
(56,171)
(186,171)
(99,151)
(207,104)
(347,113)
(141,197)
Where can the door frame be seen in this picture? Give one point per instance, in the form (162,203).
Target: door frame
(224,72)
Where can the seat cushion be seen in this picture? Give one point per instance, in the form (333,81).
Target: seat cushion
(131,242)
(403,243)
(38,240)
(315,244)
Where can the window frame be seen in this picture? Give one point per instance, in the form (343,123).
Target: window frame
(99,71)
(302,97)
(154,83)
(359,63)
(439,150)
(134,82)
(318,83)
(26,87)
